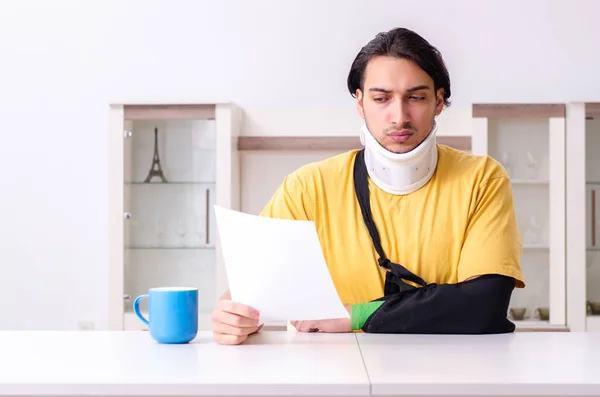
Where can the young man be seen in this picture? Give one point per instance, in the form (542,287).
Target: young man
(418,237)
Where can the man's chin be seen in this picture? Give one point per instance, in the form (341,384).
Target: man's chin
(399,148)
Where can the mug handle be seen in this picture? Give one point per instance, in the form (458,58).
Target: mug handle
(136,309)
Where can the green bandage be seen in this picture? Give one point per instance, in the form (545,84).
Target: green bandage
(361,313)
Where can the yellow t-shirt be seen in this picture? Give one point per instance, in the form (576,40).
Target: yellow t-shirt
(461,224)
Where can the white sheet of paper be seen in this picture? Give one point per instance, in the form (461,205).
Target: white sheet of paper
(277,267)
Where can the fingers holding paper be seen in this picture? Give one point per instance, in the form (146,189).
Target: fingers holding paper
(232,322)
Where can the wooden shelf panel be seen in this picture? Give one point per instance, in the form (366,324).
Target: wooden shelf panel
(169,112)
(328,143)
(592,109)
(538,326)
(519,110)
(543,329)
(297,143)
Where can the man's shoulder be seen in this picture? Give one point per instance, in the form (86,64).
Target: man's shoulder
(320,171)
(303,188)
(475,167)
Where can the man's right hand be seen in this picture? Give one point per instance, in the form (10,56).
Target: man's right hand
(232,322)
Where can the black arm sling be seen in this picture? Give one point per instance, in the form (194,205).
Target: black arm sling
(396,273)
(476,306)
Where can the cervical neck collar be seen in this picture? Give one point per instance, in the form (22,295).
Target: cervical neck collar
(400,173)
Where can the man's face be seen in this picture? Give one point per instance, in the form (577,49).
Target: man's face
(398,103)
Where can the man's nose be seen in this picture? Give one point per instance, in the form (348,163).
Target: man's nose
(399,112)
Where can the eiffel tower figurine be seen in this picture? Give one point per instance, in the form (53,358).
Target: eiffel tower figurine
(155,168)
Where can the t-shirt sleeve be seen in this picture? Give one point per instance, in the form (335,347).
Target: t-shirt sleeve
(492,243)
(290,201)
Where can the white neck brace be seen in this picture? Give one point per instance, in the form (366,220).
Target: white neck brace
(400,173)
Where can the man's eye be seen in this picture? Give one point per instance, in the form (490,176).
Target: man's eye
(417,98)
(379,99)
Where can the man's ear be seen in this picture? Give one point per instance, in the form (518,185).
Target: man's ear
(439,101)
(359,104)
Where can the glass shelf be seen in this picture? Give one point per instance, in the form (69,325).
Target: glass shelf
(535,247)
(529,181)
(182,247)
(531,322)
(170,183)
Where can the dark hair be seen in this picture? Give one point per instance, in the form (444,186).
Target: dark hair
(401,43)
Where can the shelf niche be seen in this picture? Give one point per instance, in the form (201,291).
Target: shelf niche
(528,139)
(166,236)
(583,204)
(592,212)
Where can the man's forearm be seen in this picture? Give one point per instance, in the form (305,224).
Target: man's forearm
(477,306)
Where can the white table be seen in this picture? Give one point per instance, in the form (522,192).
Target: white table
(131,363)
(519,364)
(47,363)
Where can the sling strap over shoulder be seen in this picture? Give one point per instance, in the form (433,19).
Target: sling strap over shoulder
(396,274)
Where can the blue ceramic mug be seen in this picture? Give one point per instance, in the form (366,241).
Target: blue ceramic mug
(172,312)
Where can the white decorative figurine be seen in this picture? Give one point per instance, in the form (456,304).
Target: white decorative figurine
(531,166)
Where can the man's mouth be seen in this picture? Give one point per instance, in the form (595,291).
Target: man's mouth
(400,135)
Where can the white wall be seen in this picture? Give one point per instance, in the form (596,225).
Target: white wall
(62,62)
